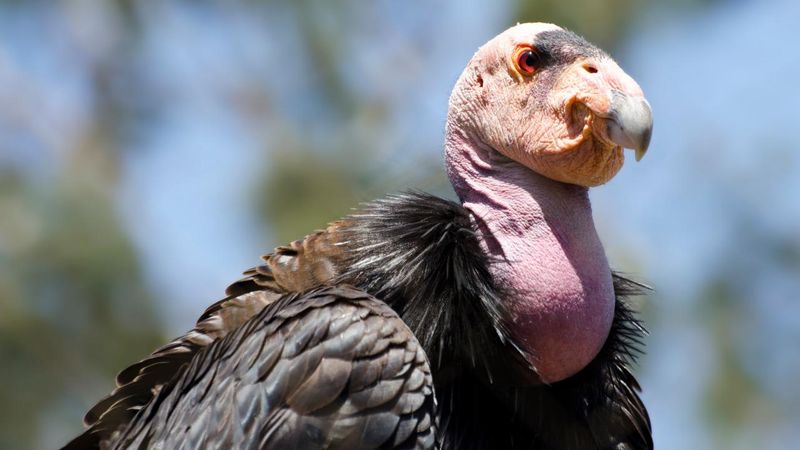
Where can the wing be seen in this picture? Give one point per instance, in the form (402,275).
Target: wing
(299,266)
(140,382)
(302,265)
(333,368)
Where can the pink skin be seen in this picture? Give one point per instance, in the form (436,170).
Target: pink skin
(522,170)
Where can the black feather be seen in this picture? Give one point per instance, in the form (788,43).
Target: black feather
(420,254)
(564,47)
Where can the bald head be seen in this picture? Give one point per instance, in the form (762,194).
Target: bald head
(553,102)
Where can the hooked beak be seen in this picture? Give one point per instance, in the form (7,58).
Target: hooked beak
(614,97)
(629,122)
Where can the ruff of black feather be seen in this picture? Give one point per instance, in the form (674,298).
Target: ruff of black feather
(420,254)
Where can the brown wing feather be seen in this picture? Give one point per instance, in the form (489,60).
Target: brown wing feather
(297,267)
(333,368)
(302,265)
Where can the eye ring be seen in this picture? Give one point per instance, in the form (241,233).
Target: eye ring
(527,60)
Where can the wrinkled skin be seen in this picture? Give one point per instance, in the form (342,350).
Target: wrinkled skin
(523,144)
(553,121)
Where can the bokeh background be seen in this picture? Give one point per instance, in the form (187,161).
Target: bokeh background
(150,151)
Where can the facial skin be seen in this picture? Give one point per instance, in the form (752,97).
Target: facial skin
(525,138)
(568,120)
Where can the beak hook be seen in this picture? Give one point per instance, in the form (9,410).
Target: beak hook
(630,122)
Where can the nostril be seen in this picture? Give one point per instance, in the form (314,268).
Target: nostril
(590,68)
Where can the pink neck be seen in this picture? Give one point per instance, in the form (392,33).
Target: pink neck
(543,248)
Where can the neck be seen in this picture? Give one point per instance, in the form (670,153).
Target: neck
(543,250)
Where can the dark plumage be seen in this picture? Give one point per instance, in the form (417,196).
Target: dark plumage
(278,380)
(406,325)
(418,254)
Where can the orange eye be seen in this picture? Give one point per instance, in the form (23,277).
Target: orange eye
(527,60)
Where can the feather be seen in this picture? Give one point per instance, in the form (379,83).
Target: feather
(399,342)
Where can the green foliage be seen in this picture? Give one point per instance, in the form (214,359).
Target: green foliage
(75,309)
(603,22)
(733,395)
(304,191)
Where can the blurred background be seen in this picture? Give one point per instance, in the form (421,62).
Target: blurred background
(150,151)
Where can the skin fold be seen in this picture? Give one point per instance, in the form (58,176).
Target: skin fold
(521,150)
